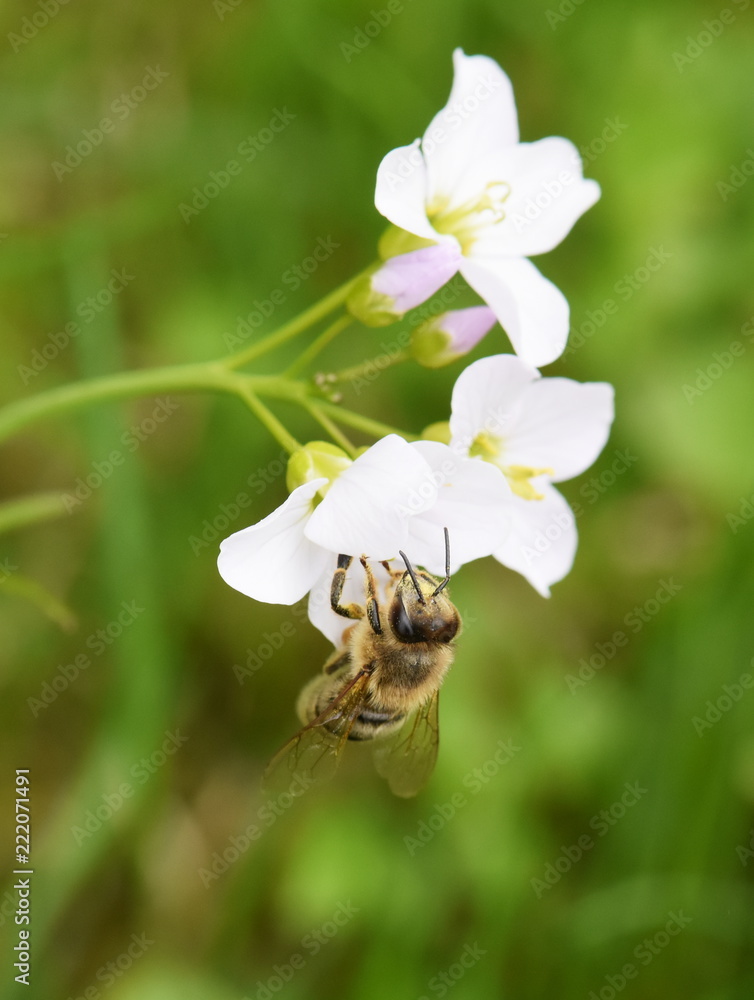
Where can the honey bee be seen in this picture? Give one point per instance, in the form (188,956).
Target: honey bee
(382,684)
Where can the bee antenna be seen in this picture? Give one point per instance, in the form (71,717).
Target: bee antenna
(445,582)
(412,574)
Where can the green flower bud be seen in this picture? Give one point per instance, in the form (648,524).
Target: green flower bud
(316,460)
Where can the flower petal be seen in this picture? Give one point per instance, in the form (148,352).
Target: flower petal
(548,194)
(562,425)
(401,191)
(479,118)
(366,509)
(487,398)
(466,327)
(531,310)
(272,560)
(411,278)
(472,503)
(543,539)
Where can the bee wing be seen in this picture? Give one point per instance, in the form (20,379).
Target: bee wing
(408,758)
(314,751)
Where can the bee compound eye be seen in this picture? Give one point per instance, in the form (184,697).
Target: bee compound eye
(401,623)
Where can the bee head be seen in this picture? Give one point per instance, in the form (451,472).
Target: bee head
(420,612)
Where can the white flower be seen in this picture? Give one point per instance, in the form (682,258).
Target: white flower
(469,498)
(394,496)
(470,182)
(536,431)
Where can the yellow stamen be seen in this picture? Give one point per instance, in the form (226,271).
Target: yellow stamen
(465,221)
(518,477)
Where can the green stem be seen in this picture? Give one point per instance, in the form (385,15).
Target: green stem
(268,419)
(297,325)
(370,368)
(124,385)
(317,345)
(361,423)
(200,377)
(332,428)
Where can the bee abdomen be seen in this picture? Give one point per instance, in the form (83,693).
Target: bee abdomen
(371,723)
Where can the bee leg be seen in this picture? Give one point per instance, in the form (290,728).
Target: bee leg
(336,590)
(373,608)
(394,573)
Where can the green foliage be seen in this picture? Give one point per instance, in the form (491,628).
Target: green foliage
(618,680)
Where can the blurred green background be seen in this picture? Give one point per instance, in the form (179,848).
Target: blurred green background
(156,735)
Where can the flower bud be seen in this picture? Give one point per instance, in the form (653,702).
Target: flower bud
(388,292)
(395,241)
(316,460)
(437,432)
(449,336)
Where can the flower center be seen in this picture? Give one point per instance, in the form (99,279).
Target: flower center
(490,448)
(466,220)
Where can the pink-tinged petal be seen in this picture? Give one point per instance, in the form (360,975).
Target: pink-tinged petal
(562,425)
(273,561)
(473,502)
(321,615)
(531,310)
(365,511)
(401,192)
(487,399)
(412,278)
(467,327)
(543,539)
(480,117)
(447,337)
